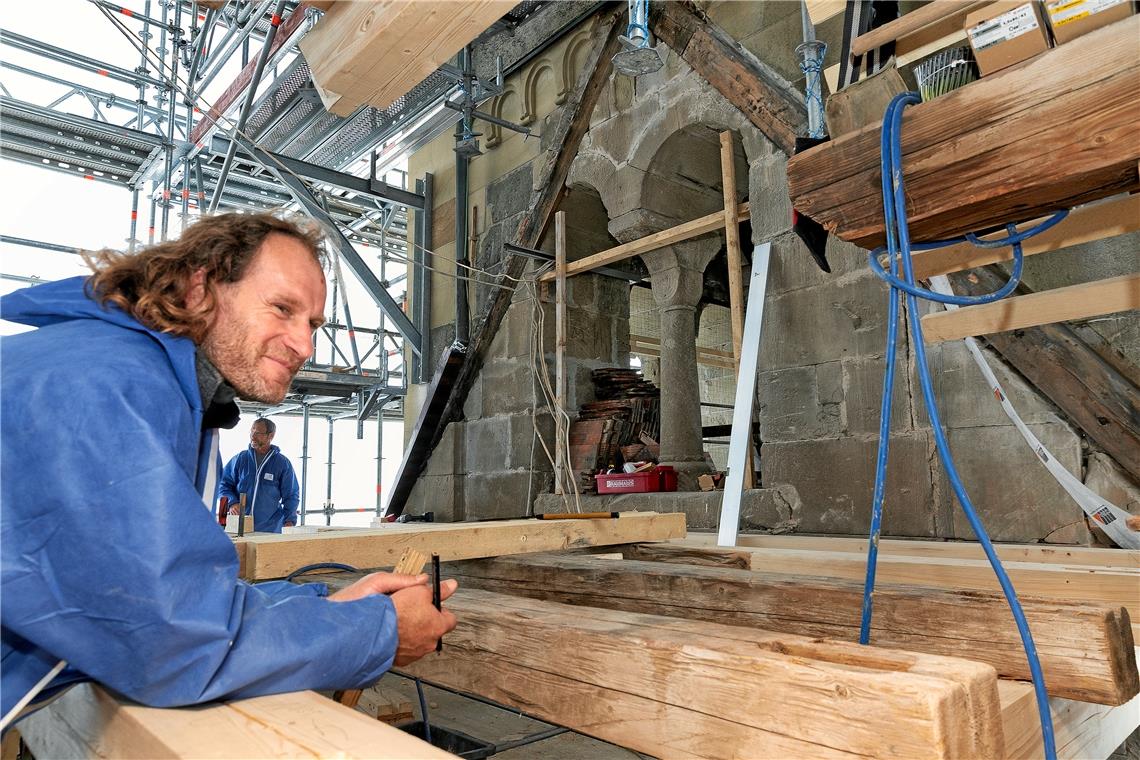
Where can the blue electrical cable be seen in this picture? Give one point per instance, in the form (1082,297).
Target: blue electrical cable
(899,249)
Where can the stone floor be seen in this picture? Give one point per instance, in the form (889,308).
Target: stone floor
(499,725)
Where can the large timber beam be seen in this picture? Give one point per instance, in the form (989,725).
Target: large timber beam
(1103,401)
(672,688)
(760,94)
(1087,651)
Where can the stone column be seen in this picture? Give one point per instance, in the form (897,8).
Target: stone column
(677,281)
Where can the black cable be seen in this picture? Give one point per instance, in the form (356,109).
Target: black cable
(321,566)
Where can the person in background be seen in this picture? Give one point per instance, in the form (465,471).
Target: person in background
(266,478)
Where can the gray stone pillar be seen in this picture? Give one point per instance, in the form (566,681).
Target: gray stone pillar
(677,280)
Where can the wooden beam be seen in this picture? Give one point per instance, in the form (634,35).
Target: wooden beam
(735,269)
(1092,584)
(550,179)
(271,555)
(1089,299)
(769,103)
(902,547)
(1082,731)
(372,53)
(1086,650)
(709,357)
(671,688)
(1101,396)
(821,10)
(680,233)
(90,722)
(1096,221)
(912,22)
(976,157)
(560,420)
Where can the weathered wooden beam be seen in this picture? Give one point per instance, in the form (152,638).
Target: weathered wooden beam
(270,555)
(985,154)
(1086,650)
(1082,731)
(902,547)
(673,688)
(1093,584)
(747,84)
(90,722)
(1103,401)
(551,183)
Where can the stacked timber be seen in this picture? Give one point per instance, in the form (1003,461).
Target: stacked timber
(611,429)
(1052,133)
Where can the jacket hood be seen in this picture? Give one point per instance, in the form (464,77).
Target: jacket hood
(67,300)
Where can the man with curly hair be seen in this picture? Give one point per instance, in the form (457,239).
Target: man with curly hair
(113,566)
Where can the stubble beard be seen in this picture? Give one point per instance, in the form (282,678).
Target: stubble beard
(237,359)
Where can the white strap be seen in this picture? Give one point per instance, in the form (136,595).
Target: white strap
(24,700)
(1108,516)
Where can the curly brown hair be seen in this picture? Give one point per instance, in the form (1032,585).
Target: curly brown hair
(151,285)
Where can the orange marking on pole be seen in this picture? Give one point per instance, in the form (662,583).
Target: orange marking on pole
(276,20)
(88,176)
(103,72)
(126,12)
(134,215)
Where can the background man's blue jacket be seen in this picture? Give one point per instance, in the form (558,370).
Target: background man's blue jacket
(108,556)
(271,490)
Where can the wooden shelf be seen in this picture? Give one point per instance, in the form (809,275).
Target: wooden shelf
(1053,132)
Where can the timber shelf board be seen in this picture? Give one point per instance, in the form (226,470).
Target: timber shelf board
(991,152)
(1086,649)
(275,556)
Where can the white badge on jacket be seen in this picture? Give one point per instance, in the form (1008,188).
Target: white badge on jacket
(269,476)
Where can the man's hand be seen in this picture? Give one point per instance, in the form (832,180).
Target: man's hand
(378,583)
(418,624)
(234,509)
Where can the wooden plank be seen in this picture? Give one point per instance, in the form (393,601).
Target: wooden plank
(1089,299)
(372,53)
(1096,221)
(684,231)
(1081,730)
(818,699)
(1086,650)
(821,10)
(550,179)
(1092,387)
(1045,553)
(983,155)
(275,556)
(1117,587)
(722,62)
(735,269)
(709,357)
(89,722)
(914,21)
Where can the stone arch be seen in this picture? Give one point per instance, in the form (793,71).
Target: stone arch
(497,108)
(540,70)
(572,60)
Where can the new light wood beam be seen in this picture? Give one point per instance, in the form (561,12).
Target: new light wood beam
(678,234)
(275,556)
(1095,221)
(89,722)
(735,270)
(671,688)
(912,22)
(1090,299)
(1086,650)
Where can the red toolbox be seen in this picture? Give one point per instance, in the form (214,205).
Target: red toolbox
(660,478)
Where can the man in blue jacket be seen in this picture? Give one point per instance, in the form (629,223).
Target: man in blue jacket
(266,478)
(113,566)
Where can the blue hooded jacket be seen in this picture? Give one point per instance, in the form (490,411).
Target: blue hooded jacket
(271,490)
(109,559)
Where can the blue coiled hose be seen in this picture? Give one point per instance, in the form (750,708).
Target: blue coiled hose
(899,250)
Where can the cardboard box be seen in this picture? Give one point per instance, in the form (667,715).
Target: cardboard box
(1070,19)
(1004,33)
